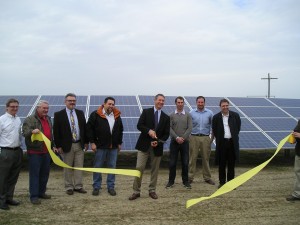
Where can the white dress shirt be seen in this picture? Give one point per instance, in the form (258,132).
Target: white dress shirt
(10,131)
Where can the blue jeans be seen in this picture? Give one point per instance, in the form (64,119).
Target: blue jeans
(175,148)
(110,156)
(39,169)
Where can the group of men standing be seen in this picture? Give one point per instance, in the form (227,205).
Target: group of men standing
(191,133)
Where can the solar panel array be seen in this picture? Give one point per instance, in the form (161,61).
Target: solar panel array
(264,121)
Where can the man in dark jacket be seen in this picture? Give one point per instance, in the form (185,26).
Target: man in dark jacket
(69,129)
(226,126)
(105,133)
(295,196)
(154,125)
(38,155)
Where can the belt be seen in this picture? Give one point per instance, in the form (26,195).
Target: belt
(200,135)
(75,141)
(227,139)
(9,148)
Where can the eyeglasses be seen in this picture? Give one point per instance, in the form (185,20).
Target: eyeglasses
(13,106)
(71,100)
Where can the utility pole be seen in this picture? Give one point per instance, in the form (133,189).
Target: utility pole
(269,79)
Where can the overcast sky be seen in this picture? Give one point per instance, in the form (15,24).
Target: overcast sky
(129,47)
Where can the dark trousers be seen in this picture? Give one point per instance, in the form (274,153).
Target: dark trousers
(39,168)
(227,158)
(175,148)
(10,166)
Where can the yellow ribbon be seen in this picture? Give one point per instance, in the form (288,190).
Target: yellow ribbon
(57,161)
(229,186)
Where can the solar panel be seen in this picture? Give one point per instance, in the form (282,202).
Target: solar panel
(120,100)
(60,99)
(129,141)
(275,124)
(254,140)
(149,100)
(282,102)
(295,112)
(22,99)
(246,125)
(250,101)
(209,101)
(126,111)
(130,124)
(275,117)
(263,112)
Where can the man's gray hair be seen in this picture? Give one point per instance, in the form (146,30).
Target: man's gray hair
(42,102)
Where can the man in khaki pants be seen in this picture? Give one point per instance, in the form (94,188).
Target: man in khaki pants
(154,125)
(200,140)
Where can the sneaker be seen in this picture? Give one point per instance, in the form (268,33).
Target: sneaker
(170,185)
(187,185)
(95,192)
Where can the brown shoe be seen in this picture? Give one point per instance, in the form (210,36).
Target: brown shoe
(70,192)
(153,195)
(81,190)
(210,182)
(134,196)
(190,180)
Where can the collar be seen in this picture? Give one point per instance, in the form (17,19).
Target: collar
(182,112)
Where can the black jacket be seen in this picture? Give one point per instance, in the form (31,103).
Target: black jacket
(234,122)
(297,146)
(98,130)
(145,123)
(62,129)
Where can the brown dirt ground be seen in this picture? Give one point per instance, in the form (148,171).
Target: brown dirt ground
(259,201)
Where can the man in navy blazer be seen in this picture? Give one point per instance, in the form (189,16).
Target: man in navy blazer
(154,125)
(69,129)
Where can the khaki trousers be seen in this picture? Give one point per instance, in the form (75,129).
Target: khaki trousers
(74,158)
(141,162)
(199,144)
(296,192)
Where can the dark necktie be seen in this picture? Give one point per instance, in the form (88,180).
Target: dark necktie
(74,134)
(156,119)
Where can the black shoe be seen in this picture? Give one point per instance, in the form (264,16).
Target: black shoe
(170,185)
(70,192)
(4,206)
(112,192)
(187,185)
(36,201)
(81,190)
(220,185)
(291,198)
(95,192)
(45,196)
(12,202)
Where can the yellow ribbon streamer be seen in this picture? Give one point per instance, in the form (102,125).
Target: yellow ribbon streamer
(229,186)
(57,161)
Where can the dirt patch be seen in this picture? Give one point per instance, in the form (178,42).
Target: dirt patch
(260,201)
